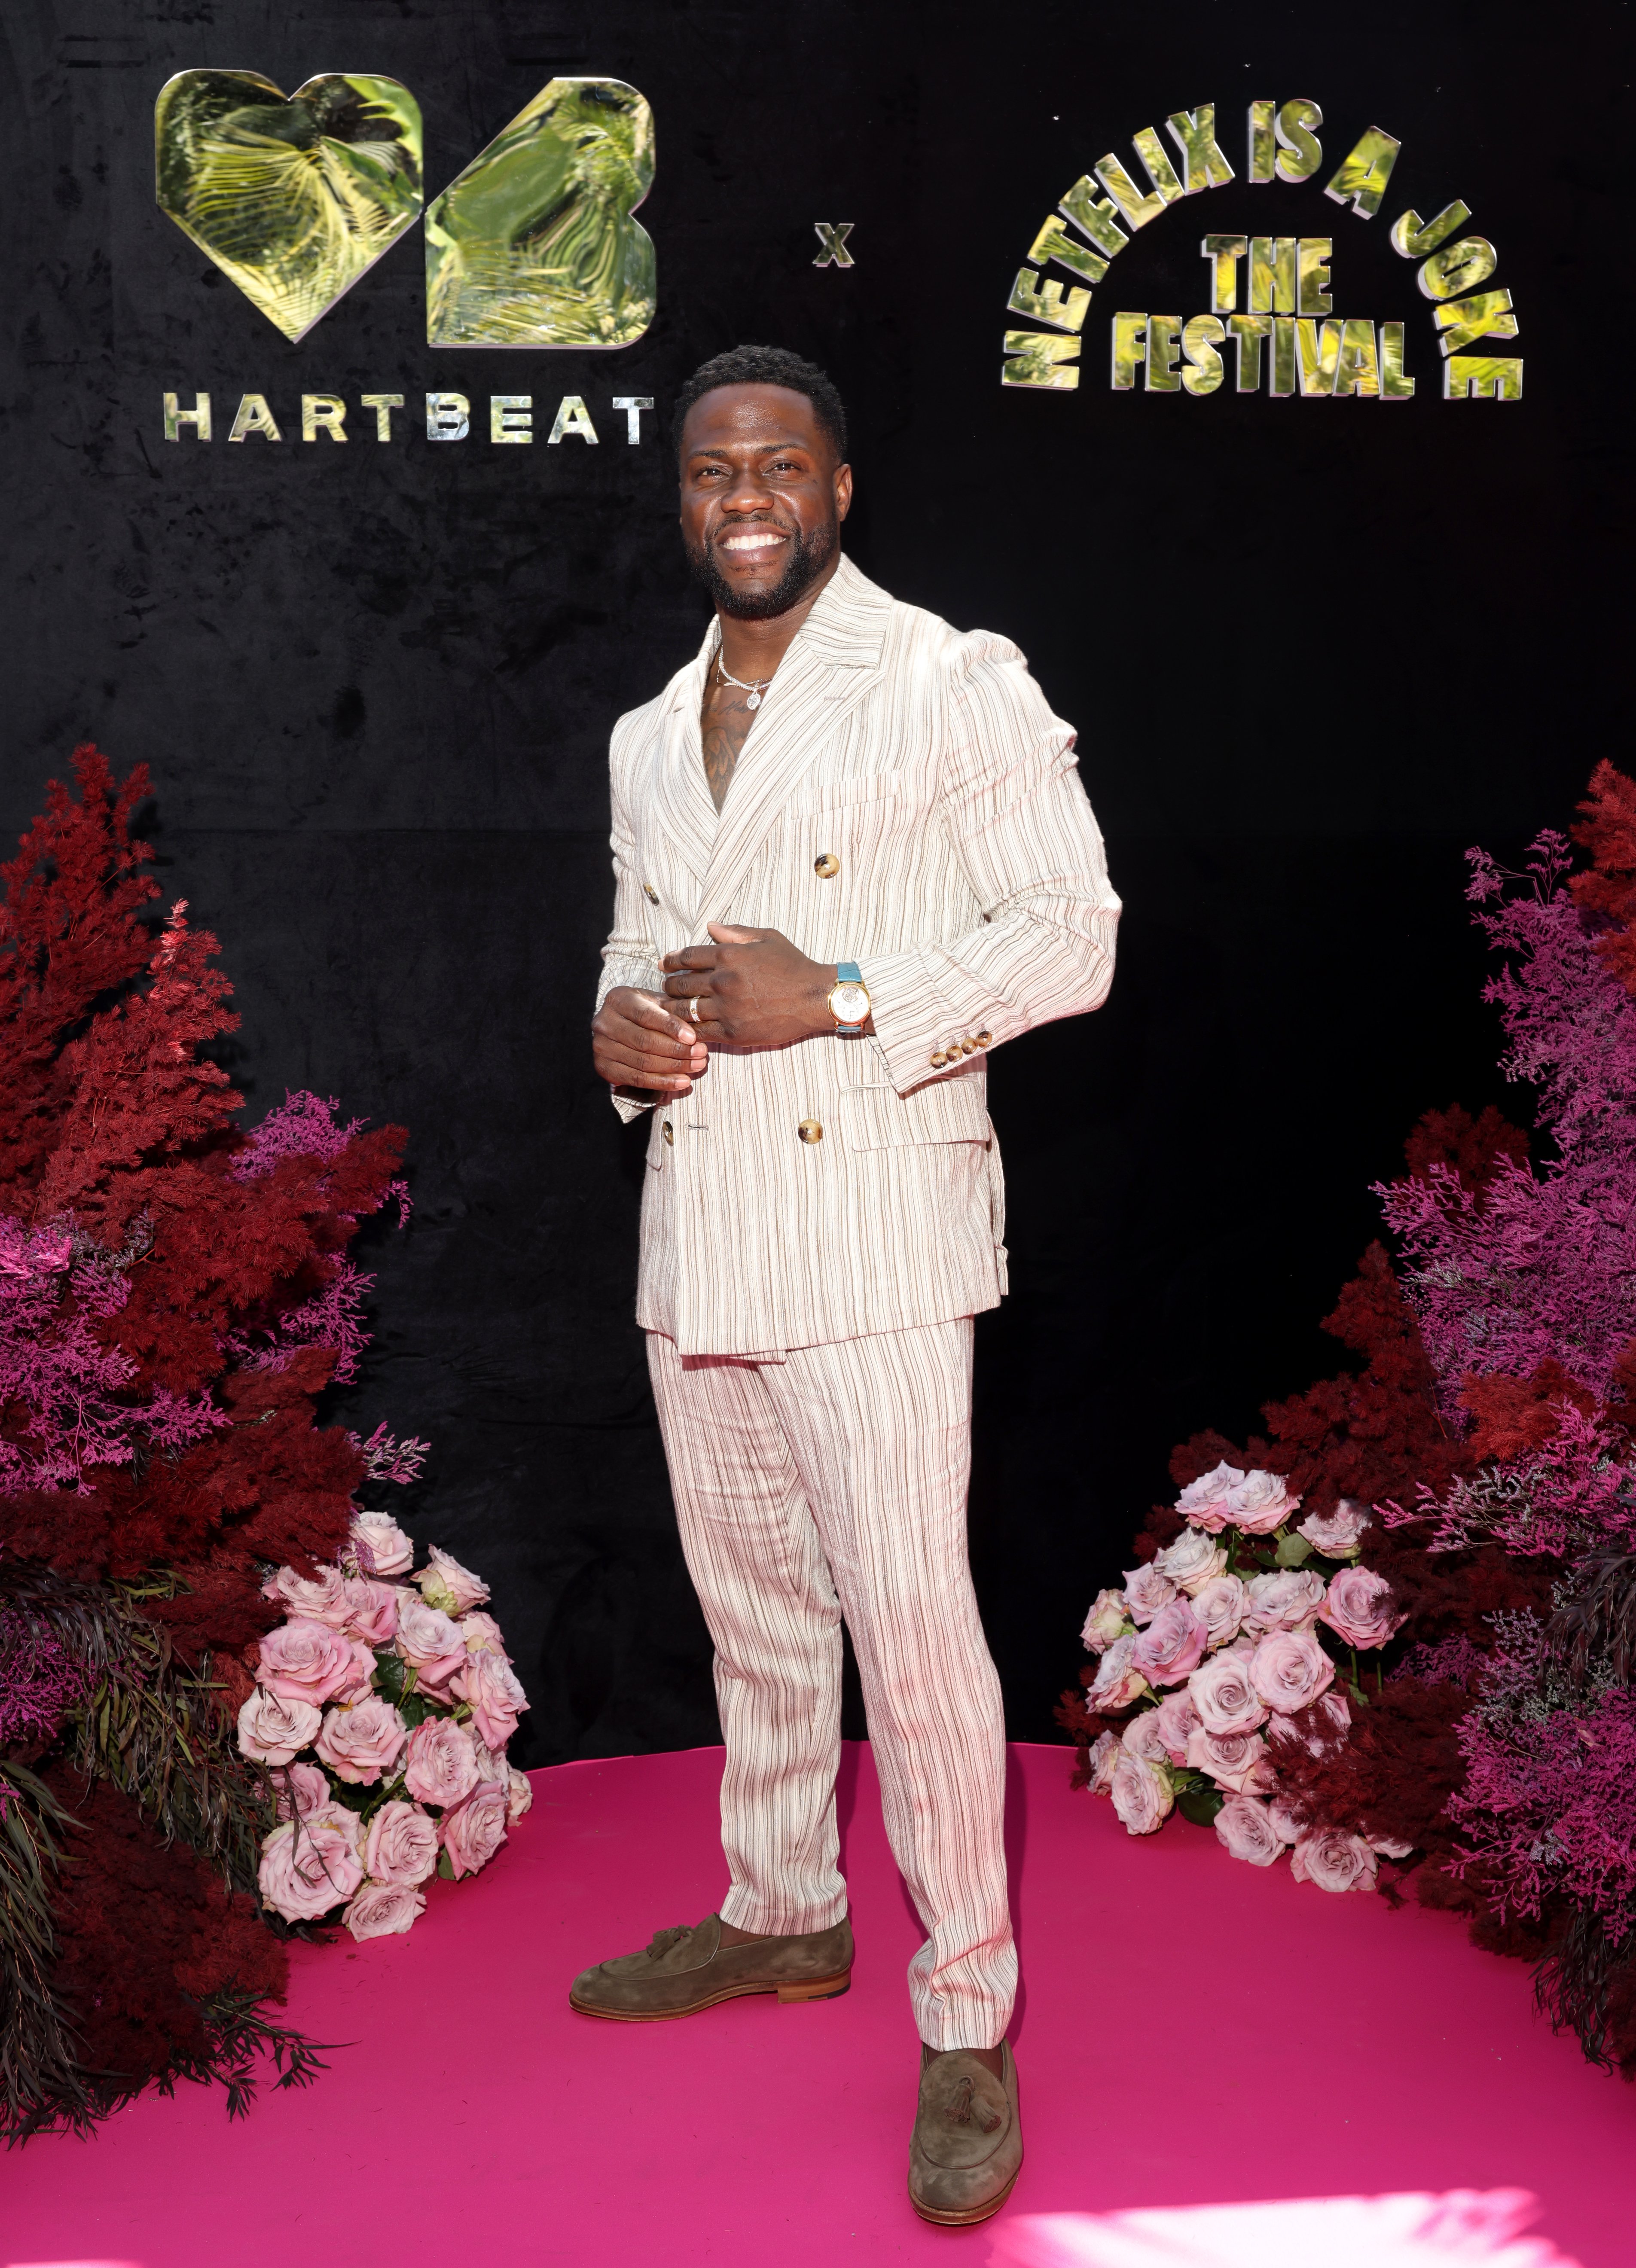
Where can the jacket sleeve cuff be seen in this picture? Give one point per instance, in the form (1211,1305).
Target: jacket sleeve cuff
(631,1105)
(619,968)
(925,1006)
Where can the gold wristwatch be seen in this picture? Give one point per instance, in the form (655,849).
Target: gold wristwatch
(849,999)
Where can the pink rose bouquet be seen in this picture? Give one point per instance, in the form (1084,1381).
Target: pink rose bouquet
(382,1710)
(1220,1655)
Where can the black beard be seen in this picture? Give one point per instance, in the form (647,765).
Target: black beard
(807,557)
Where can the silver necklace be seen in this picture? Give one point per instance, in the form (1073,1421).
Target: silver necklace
(754,689)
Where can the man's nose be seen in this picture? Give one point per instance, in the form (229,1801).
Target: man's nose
(747,492)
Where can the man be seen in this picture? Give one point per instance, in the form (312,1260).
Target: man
(851,854)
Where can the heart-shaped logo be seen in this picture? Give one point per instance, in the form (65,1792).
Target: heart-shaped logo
(292,197)
(533,245)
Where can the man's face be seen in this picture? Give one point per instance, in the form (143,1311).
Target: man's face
(762,497)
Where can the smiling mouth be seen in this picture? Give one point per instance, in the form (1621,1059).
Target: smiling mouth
(751,541)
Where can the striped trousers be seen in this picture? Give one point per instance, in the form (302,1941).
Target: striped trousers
(831,1483)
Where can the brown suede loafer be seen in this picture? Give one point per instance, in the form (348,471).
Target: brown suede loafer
(966,2146)
(686,1970)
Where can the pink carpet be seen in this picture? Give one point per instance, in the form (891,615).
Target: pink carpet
(1193,2031)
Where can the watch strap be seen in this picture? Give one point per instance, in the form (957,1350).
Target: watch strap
(848,972)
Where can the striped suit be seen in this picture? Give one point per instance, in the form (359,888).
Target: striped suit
(821,1222)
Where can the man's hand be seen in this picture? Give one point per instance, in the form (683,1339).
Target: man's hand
(637,1040)
(754,989)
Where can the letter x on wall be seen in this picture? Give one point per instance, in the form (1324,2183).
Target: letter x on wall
(832,235)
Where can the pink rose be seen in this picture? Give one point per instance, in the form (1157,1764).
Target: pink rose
(1388,1847)
(1288,1600)
(1147,1590)
(429,1643)
(308,1866)
(384,1910)
(1142,1796)
(497,1697)
(1105,1754)
(379,1545)
(360,1743)
(1104,1622)
(519,1794)
(1142,1737)
(1116,1684)
(1262,1503)
(492,1764)
(1176,1718)
(1220,1605)
(1172,1646)
(1191,1561)
(1207,1501)
(372,1615)
(304,1660)
(1226,1700)
(401,1846)
(1360,1608)
(344,1818)
(481,1634)
(1236,1761)
(1245,1831)
(300,1791)
(439,1767)
(275,1731)
(1334,1860)
(316,1597)
(1289,1668)
(474,1830)
(1283,1821)
(453,1590)
(1337,1534)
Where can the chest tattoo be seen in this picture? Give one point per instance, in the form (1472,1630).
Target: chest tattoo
(724,725)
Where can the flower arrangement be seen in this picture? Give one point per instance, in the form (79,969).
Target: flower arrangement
(1484,1459)
(382,1709)
(1225,1648)
(176,1291)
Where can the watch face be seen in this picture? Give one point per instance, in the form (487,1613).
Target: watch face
(851,1003)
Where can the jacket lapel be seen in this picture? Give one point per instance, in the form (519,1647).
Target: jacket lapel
(833,662)
(682,799)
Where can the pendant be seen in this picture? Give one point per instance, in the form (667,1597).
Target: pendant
(754,702)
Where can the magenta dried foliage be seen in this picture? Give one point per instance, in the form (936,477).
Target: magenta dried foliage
(386,1458)
(1537,1266)
(59,1383)
(1573,1495)
(41,1681)
(1548,1810)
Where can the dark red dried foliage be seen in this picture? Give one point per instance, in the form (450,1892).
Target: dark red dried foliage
(145,1933)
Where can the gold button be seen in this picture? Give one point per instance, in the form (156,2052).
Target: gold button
(939,1060)
(670,1131)
(810,1131)
(825,865)
(985,1039)
(650,894)
(967,1046)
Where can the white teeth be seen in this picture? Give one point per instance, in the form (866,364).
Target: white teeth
(751,543)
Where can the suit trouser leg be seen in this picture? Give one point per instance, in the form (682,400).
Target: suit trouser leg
(851,1462)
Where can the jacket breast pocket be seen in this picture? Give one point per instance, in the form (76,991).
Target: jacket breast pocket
(880,1118)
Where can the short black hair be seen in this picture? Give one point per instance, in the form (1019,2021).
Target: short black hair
(769,367)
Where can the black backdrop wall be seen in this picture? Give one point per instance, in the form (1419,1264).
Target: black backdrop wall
(1313,650)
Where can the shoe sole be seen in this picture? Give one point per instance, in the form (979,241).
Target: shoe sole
(804,1988)
(970,2215)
